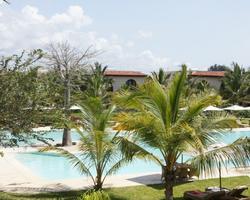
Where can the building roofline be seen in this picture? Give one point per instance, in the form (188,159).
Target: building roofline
(124,73)
(208,73)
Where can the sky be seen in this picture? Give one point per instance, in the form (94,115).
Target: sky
(138,35)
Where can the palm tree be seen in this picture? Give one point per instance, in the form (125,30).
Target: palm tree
(235,85)
(97,83)
(153,120)
(98,151)
(161,76)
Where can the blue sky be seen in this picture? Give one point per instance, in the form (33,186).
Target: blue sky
(134,34)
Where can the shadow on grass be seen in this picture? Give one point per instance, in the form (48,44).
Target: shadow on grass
(71,195)
(161,186)
(154,181)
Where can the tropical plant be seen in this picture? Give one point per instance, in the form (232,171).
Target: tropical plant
(153,119)
(99,155)
(96,82)
(218,68)
(235,86)
(195,86)
(95,195)
(161,76)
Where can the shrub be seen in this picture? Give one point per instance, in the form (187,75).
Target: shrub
(95,195)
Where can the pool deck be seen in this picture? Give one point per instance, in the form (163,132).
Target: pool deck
(15,177)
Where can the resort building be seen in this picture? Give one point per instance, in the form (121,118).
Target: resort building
(121,78)
(213,78)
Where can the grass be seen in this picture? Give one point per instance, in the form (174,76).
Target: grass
(151,192)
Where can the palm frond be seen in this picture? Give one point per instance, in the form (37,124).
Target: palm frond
(174,94)
(113,169)
(197,106)
(131,149)
(73,159)
(237,153)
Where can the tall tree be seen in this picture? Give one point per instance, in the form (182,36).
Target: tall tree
(152,118)
(218,68)
(67,61)
(161,76)
(20,97)
(236,85)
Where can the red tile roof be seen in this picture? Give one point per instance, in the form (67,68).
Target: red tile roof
(209,73)
(124,73)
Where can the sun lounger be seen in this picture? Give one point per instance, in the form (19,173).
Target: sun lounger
(199,195)
(236,194)
(234,198)
(237,191)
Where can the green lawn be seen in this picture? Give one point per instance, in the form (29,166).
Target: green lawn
(152,192)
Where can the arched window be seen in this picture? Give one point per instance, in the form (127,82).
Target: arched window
(110,88)
(131,82)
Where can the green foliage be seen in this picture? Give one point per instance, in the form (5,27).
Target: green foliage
(95,195)
(218,68)
(161,76)
(97,84)
(235,86)
(195,87)
(22,62)
(98,149)
(152,118)
(21,97)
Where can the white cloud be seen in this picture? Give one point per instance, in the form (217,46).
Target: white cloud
(130,44)
(74,15)
(29,29)
(31,15)
(145,34)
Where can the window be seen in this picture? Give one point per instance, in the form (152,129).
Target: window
(131,82)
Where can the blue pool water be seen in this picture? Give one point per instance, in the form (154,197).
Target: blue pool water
(50,166)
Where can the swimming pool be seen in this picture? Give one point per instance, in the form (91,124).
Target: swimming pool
(51,166)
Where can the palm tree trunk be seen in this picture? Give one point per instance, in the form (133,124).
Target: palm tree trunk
(67,141)
(169,177)
(98,185)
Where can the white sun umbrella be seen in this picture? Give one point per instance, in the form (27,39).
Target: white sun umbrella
(41,129)
(75,107)
(247,108)
(235,108)
(212,108)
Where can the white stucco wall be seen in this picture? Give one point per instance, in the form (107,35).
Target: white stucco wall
(118,81)
(214,82)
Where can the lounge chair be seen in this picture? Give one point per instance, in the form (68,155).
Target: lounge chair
(237,191)
(199,195)
(234,198)
(236,194)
